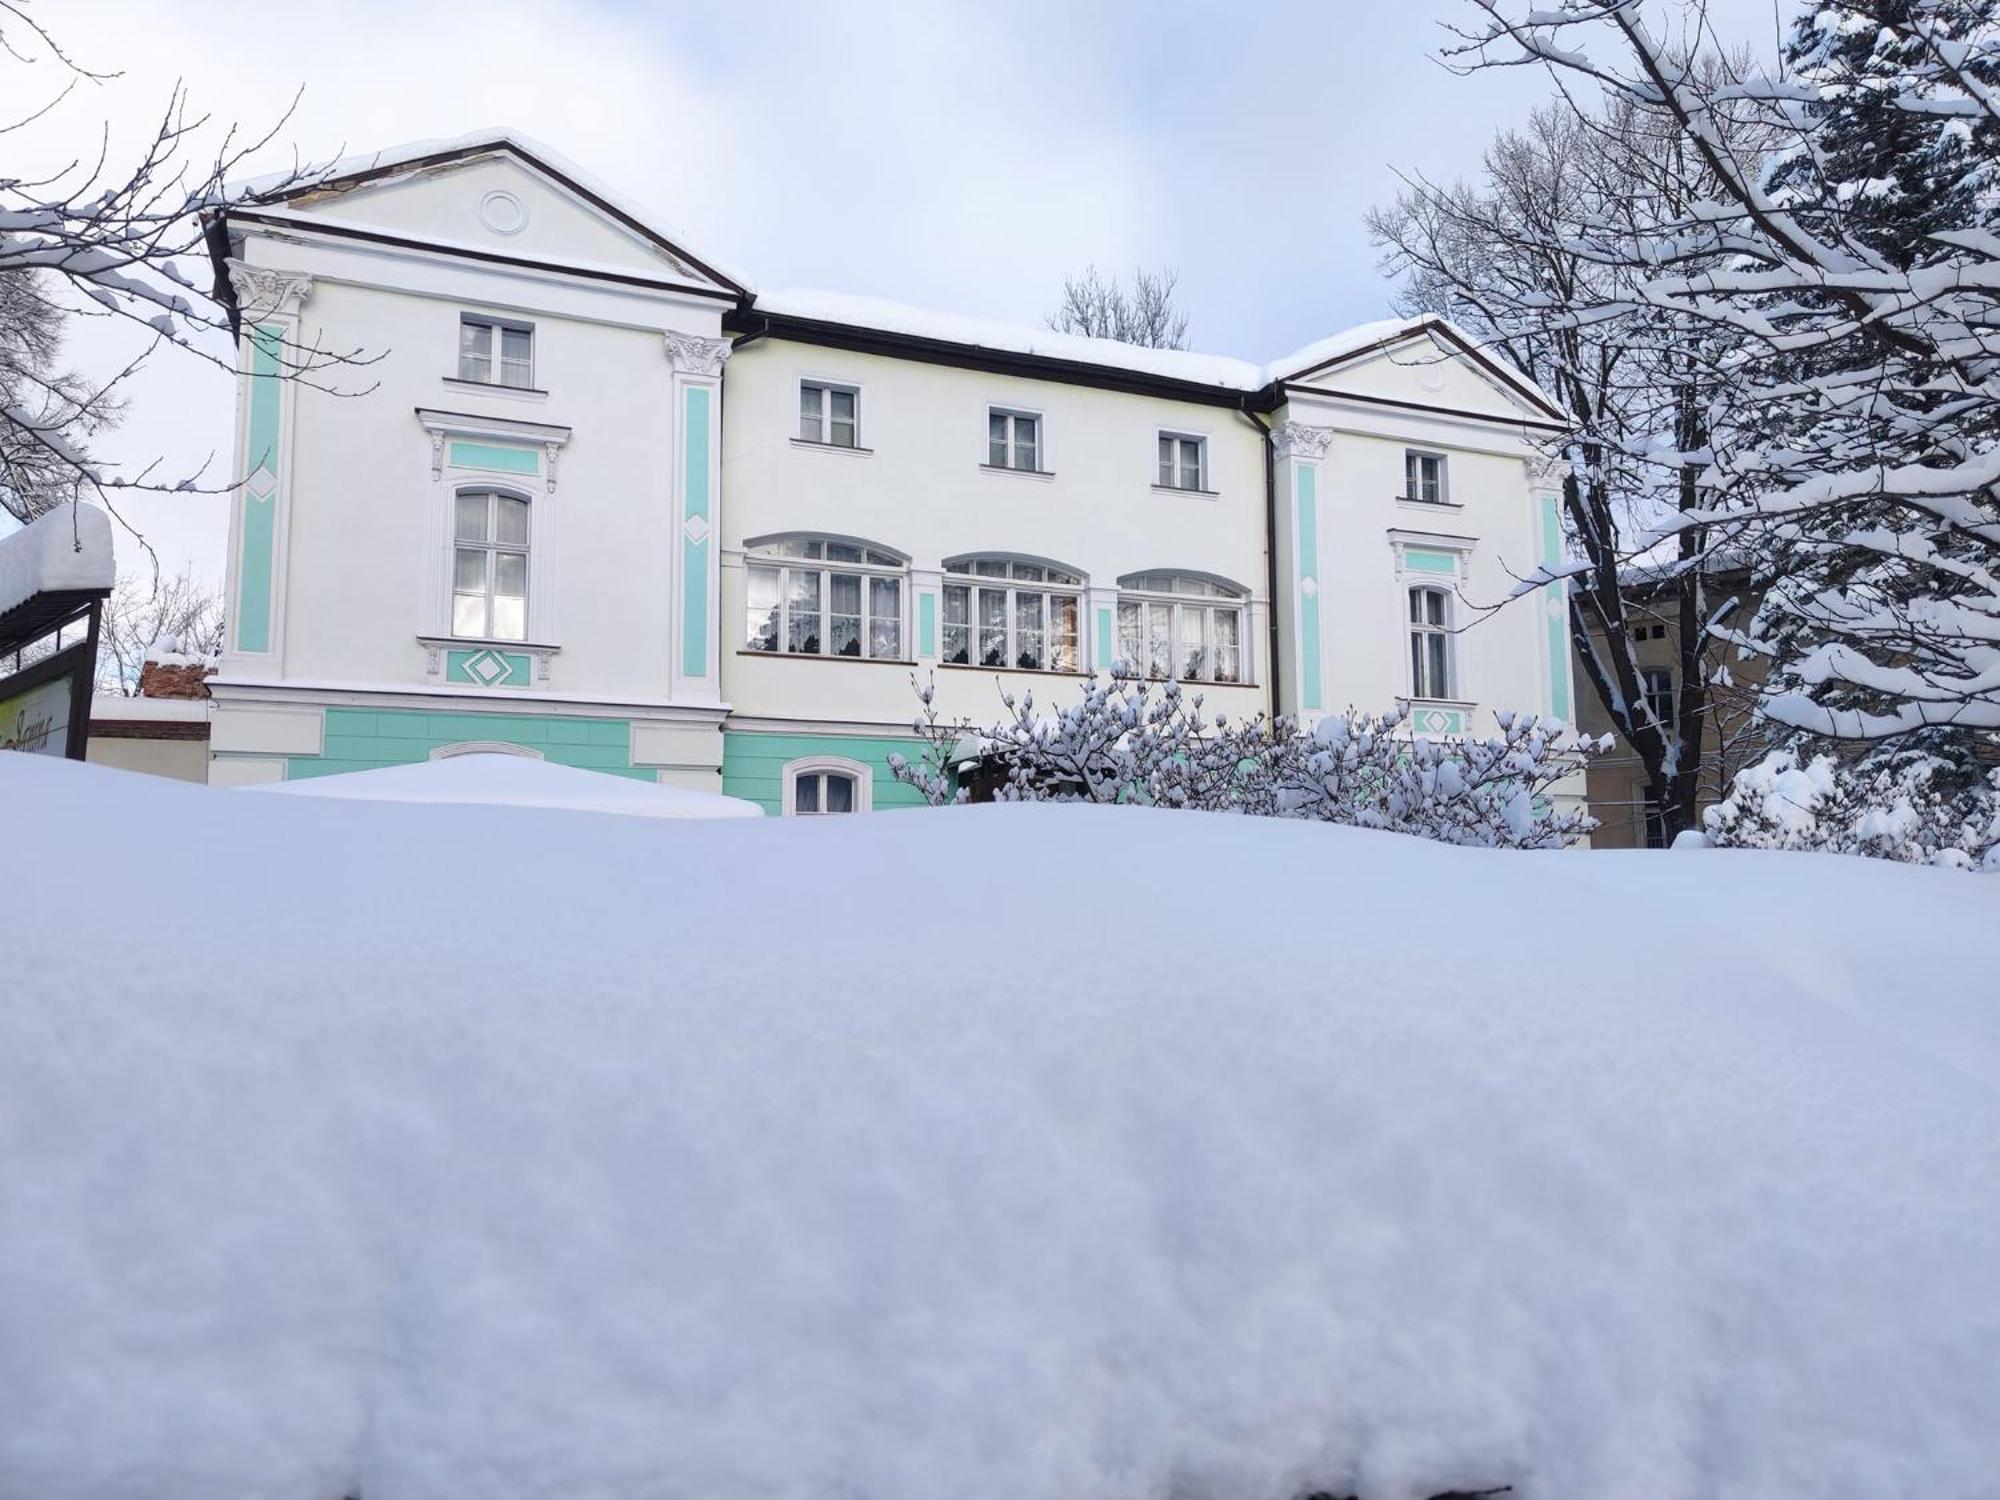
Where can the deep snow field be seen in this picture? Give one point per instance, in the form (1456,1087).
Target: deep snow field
(999,1153)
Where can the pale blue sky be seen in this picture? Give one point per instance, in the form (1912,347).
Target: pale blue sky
(949,154)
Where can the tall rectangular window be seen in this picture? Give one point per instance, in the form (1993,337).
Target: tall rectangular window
(489,575)
(1424,478)
(1658,683)
(1183,462)
(1430,644)
(1013,440)
(829,414)
(494,351)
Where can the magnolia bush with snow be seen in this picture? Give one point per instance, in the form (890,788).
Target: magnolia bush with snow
(1911,808)
(1123,741)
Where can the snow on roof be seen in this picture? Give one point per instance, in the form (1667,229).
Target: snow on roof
(491,137)
(116,707)
(68,548)
(497,779)
(522,1155)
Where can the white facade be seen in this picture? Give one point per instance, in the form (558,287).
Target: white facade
(586,493)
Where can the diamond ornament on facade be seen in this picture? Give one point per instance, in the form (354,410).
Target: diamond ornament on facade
(488,668)
(695,529)
(262,485)
(1309,587)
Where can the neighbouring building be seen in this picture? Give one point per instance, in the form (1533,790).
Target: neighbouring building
(604,502)
(162,729)
(1732,736)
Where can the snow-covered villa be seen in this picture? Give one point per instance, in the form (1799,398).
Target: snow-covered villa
(605,503)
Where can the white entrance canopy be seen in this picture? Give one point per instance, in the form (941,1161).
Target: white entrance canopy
(497,779)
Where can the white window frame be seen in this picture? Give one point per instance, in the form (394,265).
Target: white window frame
(757,559)
(495,364)
(1015,414)
(1236,601)
(1178,436)
(1448,630)
(826,386)
(821,765)
(958,574)
(493,549)
(1443,461)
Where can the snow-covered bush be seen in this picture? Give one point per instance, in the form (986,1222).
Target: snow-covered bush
(1130,740)
(1909,807)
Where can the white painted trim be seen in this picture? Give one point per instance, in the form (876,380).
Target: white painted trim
(1205,470)
(1044,460)
(829,382)
(864,782)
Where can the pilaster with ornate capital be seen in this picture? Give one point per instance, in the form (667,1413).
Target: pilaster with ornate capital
(691,354)
(265,293)
(1297,440)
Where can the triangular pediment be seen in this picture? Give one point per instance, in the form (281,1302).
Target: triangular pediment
(498,197)
(1429,365)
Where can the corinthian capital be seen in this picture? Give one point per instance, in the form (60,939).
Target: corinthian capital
(692,354)
(1296,440)
(262,292)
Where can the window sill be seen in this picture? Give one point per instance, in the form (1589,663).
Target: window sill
(493,388)
(1447,505)
(816,444)
(1019,473)
(954,666)
(1181,489)
(857,661)
(493,642)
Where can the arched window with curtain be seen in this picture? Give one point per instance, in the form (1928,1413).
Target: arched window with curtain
(1181,625)
(1012,613)
(489,565)
(1431,674)
(825,596)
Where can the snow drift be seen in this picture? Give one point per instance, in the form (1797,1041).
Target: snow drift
(1011,1153)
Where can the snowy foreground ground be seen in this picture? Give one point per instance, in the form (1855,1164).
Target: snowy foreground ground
(1043,1153)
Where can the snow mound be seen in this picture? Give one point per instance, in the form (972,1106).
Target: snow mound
(527,1155)
(68,548)
(496,779)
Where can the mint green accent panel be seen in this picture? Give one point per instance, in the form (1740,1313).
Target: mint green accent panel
(1418,561)
(1308,564)
(365,739)
(1557,594)
(1426,721)
(753,765)
(259,533)
(459,667)
(1105,652)
(927,624)
(694,549)
(494,456)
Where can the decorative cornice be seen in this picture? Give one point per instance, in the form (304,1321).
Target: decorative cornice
(691,354)
(1296,440)
(263,293)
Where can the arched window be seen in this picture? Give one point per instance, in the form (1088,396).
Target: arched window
(1183,625)
(489,565)
(825,596)
(1012,613)
(826,784)
(1430,644)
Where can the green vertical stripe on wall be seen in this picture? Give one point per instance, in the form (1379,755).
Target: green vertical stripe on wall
(263,471)
(694,549)
(1105,655)
(1557,595)
(1308,566)
(927,624)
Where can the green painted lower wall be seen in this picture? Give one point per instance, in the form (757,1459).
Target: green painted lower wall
(753,765)
(365,739)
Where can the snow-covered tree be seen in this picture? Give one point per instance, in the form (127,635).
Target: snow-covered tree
(1907,805)
(106,238)
(1509,258)
(1128,740)
(1101,308)
(1878,382)
(179,612)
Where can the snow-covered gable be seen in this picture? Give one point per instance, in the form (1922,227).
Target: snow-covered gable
(1423,362)
(497,193)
